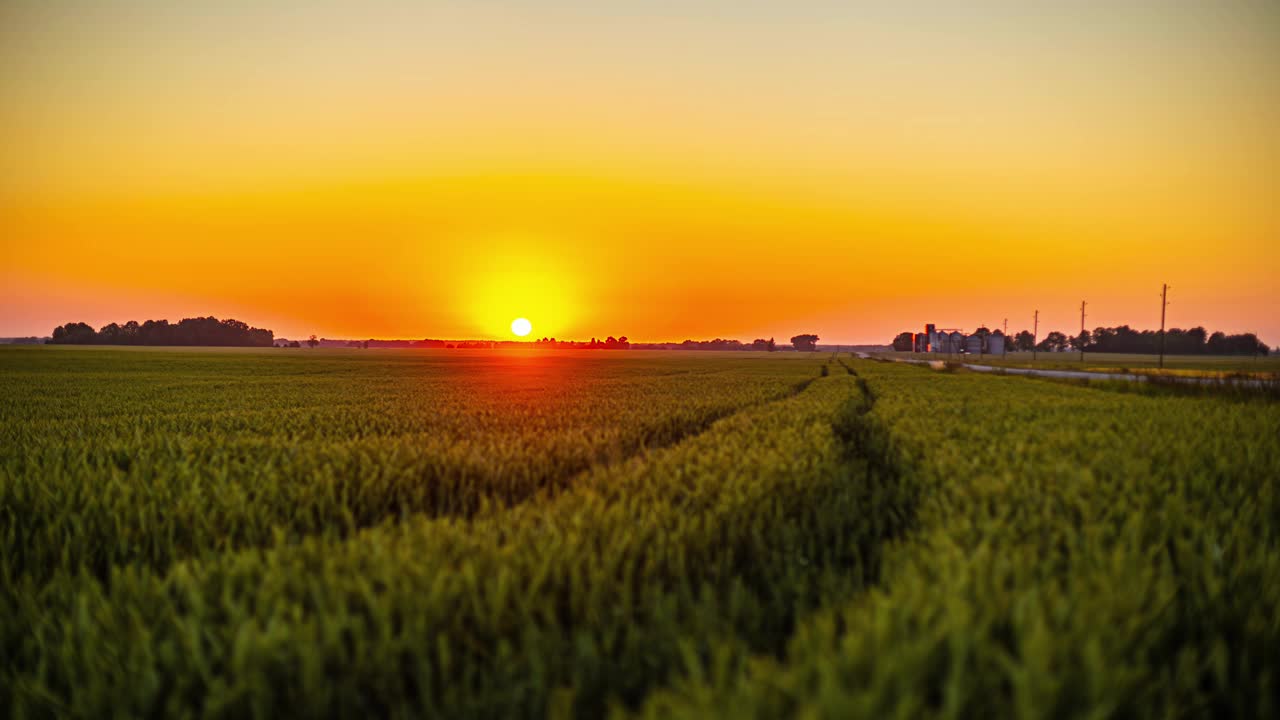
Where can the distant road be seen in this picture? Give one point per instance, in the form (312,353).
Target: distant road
(1083,374)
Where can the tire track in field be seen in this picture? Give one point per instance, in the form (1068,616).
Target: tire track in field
(868,439)
(444,497)
(865,497)
(443,501)
(659,439)
(846,366)
(872,498)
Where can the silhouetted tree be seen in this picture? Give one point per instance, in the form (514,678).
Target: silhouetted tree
(903,342)
(312,342)
(132,332)
(1053,342)
(805,343)
(77,333)
(156,332)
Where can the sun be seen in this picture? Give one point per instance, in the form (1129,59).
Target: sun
(521,327)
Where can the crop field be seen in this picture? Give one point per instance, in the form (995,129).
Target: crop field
(452,534)
(1266,367)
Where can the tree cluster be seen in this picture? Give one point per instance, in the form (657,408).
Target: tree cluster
(760,344)
(1195,341)
(716,344)
(1124,339)
(610,343)
(208,331)
(805,343)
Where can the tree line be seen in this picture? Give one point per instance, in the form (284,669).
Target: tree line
(716,344)
(1124,339)
(1195,341)
(609,343)
(210,331)
(805,343)
(189,331)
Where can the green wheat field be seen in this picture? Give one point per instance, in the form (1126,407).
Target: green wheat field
(233,533)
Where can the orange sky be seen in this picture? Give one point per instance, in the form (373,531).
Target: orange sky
(659,170)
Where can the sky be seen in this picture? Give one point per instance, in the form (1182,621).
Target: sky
(661,170)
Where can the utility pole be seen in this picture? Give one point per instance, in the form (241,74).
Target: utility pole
(1035,334)
(1164,304)
(1004,349)
(1081,339)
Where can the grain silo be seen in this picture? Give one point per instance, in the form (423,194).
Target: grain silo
(956,342)
(995,343)
(973,344)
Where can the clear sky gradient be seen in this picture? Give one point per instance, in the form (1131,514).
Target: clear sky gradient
(661,170)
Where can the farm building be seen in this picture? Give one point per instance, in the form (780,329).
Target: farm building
(953,341)
(924,342)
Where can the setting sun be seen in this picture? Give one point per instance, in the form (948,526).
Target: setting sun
(521,326)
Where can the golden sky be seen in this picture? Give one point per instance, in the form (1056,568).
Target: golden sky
(660,170)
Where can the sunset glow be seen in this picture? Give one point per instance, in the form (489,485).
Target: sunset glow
(521,327)
(660,171)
